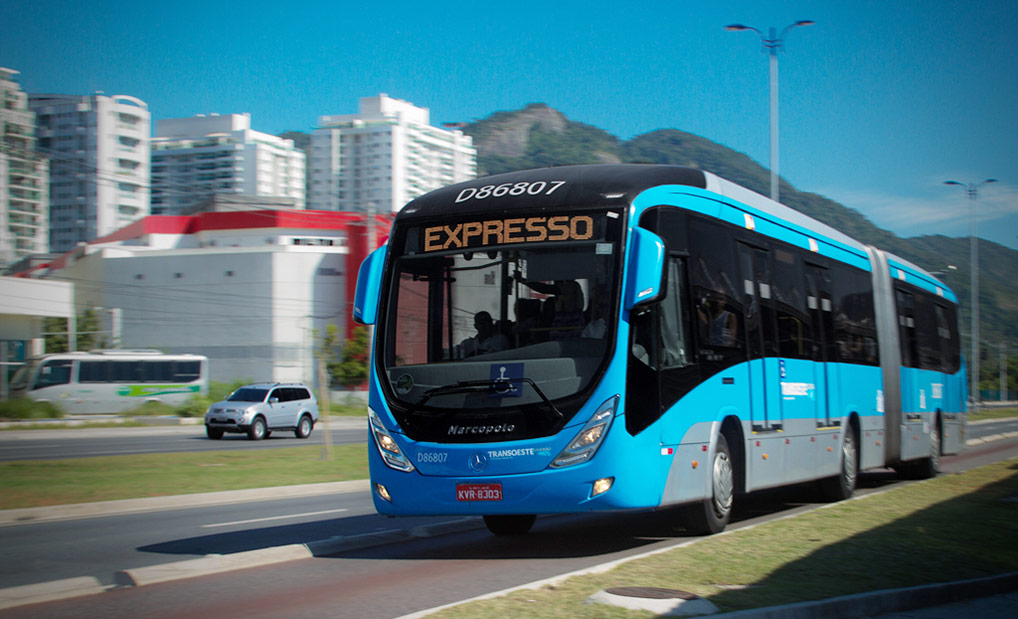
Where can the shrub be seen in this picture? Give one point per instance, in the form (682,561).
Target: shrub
(23,408)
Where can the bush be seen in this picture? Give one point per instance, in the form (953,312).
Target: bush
(23,408)
(150,409)
(196,405)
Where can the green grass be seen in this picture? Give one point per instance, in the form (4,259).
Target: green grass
(994,413)
(34,483)
(950,528)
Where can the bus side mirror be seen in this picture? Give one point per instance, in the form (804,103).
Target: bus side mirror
(369,281)
(645,271)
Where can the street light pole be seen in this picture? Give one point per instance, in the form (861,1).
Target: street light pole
(972,189)
(772,44)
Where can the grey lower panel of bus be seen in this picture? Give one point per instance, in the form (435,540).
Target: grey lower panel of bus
(800,451)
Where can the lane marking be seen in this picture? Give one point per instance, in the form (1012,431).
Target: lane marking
(229,524)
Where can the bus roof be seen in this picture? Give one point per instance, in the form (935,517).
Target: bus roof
(564,186)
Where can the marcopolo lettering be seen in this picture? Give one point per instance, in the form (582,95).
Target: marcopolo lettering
(499,429)
(510,230)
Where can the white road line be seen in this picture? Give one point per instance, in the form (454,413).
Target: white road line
(228,524)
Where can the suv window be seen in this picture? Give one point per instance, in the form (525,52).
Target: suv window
(300,393)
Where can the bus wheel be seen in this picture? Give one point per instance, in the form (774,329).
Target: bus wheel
(841,486)
(712,515)
(303,427)
(214,433)
(257,431)
(927,468)
(510,525)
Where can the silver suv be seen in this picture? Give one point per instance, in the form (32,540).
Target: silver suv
(260,408)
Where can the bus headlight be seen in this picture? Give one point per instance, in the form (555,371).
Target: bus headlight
(589,439)
(387,447)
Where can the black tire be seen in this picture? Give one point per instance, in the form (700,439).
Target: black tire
(258,430)
(927,468)
(304,427)
(214,433)
(510,525)
(842,485)
(712,515)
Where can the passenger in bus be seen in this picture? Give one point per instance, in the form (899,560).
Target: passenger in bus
(487,340)
(528,318)
(718,324)
(568,321)
(563,312)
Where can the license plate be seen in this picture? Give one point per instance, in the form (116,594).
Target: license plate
(478,492)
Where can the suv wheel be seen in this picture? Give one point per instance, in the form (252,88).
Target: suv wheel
(257,431)
(304,427)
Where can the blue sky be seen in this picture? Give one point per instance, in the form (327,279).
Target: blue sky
(880,101)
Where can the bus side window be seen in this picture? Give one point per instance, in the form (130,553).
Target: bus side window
(54,373)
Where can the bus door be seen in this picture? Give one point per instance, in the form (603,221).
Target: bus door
(764,364)
(820,308)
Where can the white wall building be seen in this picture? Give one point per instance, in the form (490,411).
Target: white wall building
(24,177)
(193,158)
(384,156)
(247,289)
(99,163)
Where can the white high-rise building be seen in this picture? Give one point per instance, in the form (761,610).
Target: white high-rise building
(24,177)
(194,158)
(99,163)
(383,157)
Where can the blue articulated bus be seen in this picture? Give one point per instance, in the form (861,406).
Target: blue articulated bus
(618,337)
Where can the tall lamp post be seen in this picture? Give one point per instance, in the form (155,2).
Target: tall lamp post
(772,43)
(972,189)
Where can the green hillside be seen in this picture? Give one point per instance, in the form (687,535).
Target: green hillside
(538,136)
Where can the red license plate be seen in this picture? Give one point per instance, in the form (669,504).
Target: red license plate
(478,492)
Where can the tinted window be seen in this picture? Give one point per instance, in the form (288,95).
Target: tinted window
(248,394)
(56,372)
(713,275)
(794,327)
(300,393)
(93,372)
(854,317)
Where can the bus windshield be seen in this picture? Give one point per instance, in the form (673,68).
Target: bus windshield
(503,327)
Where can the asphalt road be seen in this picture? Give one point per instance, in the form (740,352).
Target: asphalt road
(380,581)
(89,442)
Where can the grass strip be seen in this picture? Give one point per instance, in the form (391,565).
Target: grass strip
(35,483)
(950,528)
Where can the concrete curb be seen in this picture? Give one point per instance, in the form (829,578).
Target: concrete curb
(49,591)
(216,564)
(211,564)
(886,601)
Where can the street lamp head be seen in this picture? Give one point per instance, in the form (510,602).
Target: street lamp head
(990,180)
(804,22)
(954,183)
(736,27)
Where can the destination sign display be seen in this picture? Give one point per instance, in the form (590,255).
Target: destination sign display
(473,234)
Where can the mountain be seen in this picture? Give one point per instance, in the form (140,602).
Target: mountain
(539,136)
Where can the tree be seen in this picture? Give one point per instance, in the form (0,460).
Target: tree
(353,369)
(88,334)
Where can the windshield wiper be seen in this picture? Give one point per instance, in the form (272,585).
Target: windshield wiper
(471,386)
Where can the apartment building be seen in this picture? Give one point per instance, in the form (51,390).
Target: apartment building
(99,163)
(194,158)
(384,156)
(24,177)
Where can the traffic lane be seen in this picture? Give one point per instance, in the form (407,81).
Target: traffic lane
(64,444)
(100,547)
(363,579)
(393,580)
(396,579)
(986,428)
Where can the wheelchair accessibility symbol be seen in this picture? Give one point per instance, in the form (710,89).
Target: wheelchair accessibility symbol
(506,379)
